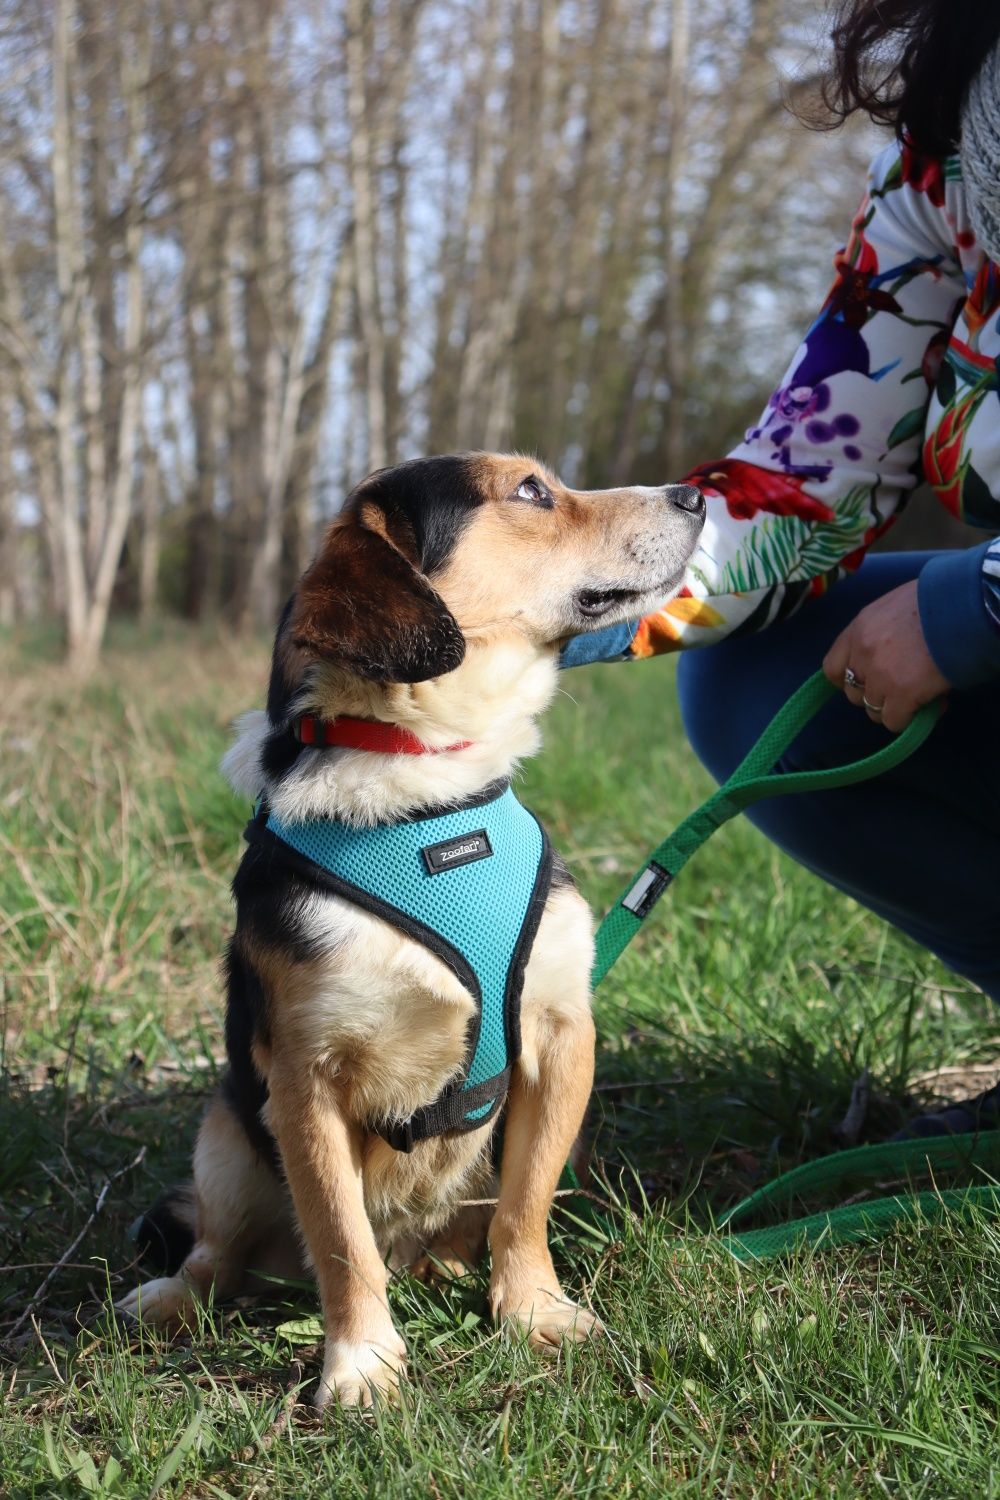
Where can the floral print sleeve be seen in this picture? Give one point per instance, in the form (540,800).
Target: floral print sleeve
(896,379)
(991,583)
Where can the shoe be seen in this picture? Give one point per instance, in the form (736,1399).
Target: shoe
(960,1118)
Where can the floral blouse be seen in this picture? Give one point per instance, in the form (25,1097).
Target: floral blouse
(895,381)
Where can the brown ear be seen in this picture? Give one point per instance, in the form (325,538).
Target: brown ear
(363,603)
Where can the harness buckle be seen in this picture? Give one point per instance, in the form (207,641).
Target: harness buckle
(399,1135)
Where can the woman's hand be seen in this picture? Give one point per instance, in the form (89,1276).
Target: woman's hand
(882,663)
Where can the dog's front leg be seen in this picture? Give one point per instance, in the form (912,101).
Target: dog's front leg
(322,1153)
(543,1120)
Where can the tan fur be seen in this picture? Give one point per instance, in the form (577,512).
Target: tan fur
(453,1253)
(375,1025)
(533,556)
(243,1224)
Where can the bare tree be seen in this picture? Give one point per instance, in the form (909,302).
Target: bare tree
(250,249)
(9,600)
(63,388)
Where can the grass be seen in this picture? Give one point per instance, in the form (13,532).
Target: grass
(730,1037)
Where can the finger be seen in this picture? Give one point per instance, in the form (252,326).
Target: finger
(840,661)
(836,659)
(898,712)
(895,717)
(855,692)
(877,705)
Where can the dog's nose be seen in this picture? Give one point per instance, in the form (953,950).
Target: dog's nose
(686,497)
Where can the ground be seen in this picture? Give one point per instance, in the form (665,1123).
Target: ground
(729,1040)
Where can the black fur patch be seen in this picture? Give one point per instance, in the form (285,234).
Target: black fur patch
(280,688)
(164,1236)
(437,496)
(279,753)
(243,1089)
(561,876)
(281,749)
(268,900)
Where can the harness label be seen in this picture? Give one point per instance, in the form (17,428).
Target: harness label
(451,853)
(647,890)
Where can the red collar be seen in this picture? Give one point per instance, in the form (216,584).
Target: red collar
(365,734)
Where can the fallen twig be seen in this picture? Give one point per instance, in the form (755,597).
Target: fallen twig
(46,1350)
(277,1427)
(570,1192)
(71,1250)
(638,1083)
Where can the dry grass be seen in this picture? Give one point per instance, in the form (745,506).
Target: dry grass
(123,850)
(730,1038)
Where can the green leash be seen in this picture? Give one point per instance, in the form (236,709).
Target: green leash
(856,1222)
(752,781)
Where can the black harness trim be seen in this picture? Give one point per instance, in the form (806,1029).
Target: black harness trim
(448,1112)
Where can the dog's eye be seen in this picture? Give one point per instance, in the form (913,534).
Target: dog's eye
(534,492)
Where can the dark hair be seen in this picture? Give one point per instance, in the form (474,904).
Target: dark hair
(909,64)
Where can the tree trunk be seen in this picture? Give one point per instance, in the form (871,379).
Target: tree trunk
(300,511)
(84,656)
(67,248)
(149,538)
(370,325)
(675,349)
(8,512)
(89,589)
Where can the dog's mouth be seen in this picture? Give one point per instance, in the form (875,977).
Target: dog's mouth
(595,603)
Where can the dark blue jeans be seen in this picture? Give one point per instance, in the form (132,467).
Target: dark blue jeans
(921,845)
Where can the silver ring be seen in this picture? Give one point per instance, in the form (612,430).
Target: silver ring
(851,679)
(873,708)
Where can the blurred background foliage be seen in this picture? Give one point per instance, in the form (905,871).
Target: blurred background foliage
(252,249)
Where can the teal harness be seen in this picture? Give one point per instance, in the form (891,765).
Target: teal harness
(469,883)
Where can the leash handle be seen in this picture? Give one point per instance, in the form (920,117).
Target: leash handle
(861,1163)
(855,1222)
(860,1223)
(752,780)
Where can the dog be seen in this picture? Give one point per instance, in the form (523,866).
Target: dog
(432,618)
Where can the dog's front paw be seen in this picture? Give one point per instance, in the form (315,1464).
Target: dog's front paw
(547,1317)
(358,1374)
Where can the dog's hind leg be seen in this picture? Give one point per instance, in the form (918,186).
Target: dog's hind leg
(452,1253)
(240,1209)
(544,1115)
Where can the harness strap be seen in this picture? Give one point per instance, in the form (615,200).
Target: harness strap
(478,913)
(451,1111)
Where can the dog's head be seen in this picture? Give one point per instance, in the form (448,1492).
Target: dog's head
(433,554)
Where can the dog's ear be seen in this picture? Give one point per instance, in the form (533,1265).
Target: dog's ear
(365,604)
